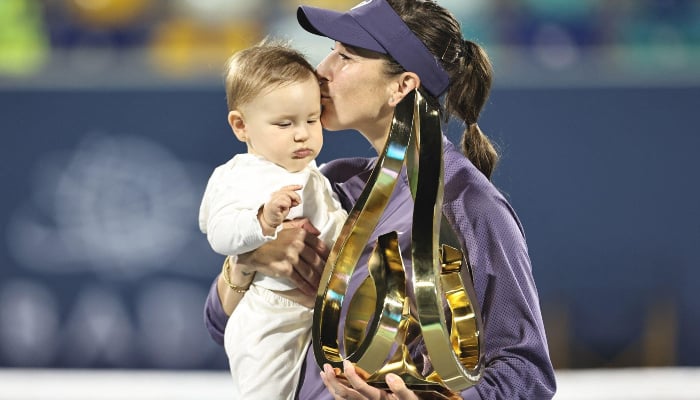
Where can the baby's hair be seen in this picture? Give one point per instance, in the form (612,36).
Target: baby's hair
(265,66)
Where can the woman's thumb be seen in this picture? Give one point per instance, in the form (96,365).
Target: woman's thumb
(398,387)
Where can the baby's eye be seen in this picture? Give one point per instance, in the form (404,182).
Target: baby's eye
(312,121)
(284,124)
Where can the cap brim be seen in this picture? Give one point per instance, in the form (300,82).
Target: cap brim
(337,26)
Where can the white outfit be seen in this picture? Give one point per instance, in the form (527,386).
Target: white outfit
(266,352)
(266,339)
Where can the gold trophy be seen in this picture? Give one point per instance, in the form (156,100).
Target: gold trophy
(382,320)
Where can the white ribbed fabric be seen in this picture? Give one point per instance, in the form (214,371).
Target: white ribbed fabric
(237,189)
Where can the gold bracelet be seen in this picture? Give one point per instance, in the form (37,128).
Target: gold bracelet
(225,271)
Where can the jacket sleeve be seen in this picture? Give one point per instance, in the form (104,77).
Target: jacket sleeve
(517,363)
(214,316)
(233,231)
(228,212)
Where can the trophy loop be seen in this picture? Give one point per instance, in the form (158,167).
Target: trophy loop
(381,323)
(349,245)
(458,366)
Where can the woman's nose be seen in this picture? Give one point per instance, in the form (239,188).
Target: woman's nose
(323,69)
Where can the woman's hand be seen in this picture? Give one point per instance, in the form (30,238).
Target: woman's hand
(354,387)
(297,254)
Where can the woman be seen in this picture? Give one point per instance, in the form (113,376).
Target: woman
(384,49)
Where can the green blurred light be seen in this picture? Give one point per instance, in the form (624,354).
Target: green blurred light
(23,42)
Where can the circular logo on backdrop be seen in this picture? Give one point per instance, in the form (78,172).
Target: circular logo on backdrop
(115,204)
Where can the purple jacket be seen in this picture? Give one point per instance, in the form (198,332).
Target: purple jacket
(515,346)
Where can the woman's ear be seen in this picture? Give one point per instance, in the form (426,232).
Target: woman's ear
(237,123)
(406,83)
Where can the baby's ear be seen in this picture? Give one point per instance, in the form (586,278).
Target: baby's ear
(237,123)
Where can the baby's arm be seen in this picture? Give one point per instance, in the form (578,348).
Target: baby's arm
(275,211)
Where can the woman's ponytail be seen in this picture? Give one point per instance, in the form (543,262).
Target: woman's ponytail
(469,69)
(479,149)
(468,92)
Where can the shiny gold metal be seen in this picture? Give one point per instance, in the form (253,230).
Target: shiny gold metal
(382,320)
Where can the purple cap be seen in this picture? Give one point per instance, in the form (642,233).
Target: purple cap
(374,25)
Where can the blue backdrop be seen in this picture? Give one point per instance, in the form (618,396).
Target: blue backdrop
(102,263)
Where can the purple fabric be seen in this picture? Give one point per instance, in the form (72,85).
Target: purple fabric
(374,25)
(215,317)
(515,346)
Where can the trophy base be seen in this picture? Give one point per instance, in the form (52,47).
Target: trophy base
(402,365)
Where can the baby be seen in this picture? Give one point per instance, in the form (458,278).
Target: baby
(274,107)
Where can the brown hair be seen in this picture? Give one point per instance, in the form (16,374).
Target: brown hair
(266,65)
(469,69)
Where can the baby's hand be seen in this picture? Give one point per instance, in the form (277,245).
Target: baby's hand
(275,211)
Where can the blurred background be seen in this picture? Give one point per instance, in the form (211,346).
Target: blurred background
(113,115)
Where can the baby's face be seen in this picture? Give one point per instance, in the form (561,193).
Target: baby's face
(283,124)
